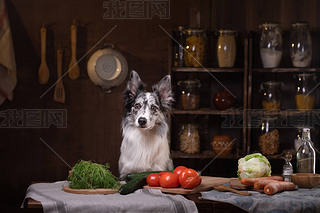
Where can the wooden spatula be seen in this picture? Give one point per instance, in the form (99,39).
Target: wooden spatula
(74,70)
(59,93)
(227,188)
(43,72)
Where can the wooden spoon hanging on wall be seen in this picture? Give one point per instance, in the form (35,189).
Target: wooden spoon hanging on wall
(43,72)
(74,70)
(59,93)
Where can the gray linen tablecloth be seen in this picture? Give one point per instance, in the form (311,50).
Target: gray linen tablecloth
(301,200)
(54,199)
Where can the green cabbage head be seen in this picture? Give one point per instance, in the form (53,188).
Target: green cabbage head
(253,166)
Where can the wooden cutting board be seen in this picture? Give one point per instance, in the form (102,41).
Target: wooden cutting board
(90,191)
(206,184)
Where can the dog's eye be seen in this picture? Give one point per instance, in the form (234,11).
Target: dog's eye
(137,106)
(154,108)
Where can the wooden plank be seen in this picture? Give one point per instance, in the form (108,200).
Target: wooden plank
(207,111)
(285,70)
(206,69)
(206,184)
(204,154)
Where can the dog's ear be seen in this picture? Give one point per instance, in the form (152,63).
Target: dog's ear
(133,87)
(163,90)
(135,84)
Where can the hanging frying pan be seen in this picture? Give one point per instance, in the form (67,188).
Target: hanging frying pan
(107,68)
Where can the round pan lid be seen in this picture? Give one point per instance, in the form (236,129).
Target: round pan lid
(107,68)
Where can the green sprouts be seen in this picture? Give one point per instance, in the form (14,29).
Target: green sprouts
(89,175)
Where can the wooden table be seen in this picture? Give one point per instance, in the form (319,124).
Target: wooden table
(202,205)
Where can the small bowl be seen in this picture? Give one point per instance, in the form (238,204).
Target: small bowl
(306,180)
(221,144)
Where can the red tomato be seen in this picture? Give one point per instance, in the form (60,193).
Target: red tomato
(169,180)
(179,169)
(153,179)
(161,173)
(189,179)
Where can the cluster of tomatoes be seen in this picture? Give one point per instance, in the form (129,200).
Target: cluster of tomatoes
(182,176)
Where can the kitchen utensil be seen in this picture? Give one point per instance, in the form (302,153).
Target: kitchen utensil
(207,183)
(107,68)
(74,70)
(90,191)
(227,188)
(306,180)
(222,144)
(43,72)
(236,184)
(224,100)
(59,93)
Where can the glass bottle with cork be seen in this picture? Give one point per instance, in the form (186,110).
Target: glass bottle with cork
(306,155)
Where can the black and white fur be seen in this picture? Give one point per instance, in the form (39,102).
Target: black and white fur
(145,145)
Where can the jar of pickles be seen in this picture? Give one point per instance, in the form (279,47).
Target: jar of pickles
(270,44)
(226,48)
(271,95)
(269,139)
(305,97)
(189,139)
(195,45)
(300,44)
(189,94)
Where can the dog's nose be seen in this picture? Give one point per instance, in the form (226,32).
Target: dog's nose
(142,121)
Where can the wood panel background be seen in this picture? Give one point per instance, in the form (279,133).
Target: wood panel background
(93,118)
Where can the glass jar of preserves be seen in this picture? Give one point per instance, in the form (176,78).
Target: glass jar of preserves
(189,139)
(195,45)
(177,47)
(189,94)
(300,44)
(271,95)
(226,48)
(270,44)
(306,97)
(269,139)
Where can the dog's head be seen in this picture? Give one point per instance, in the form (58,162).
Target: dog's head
(146,109)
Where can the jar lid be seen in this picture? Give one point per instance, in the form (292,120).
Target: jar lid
(195,82)
(193,30)
(226,31)
(191,125)
(269,118)
(299,24)
(272,83)
(270,24)
(302,127)
(306,75)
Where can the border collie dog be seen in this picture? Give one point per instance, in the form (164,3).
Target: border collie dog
(145,145)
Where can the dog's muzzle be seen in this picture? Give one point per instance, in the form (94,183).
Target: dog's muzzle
(142,122)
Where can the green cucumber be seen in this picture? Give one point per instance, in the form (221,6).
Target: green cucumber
(136,181)
(132,185)
(144,174)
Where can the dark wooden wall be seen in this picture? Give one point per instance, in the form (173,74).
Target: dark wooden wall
(93,118)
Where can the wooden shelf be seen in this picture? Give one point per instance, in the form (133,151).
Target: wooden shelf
(285,70)
(202,155)
(207,111)
(206,69)
(283,113)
